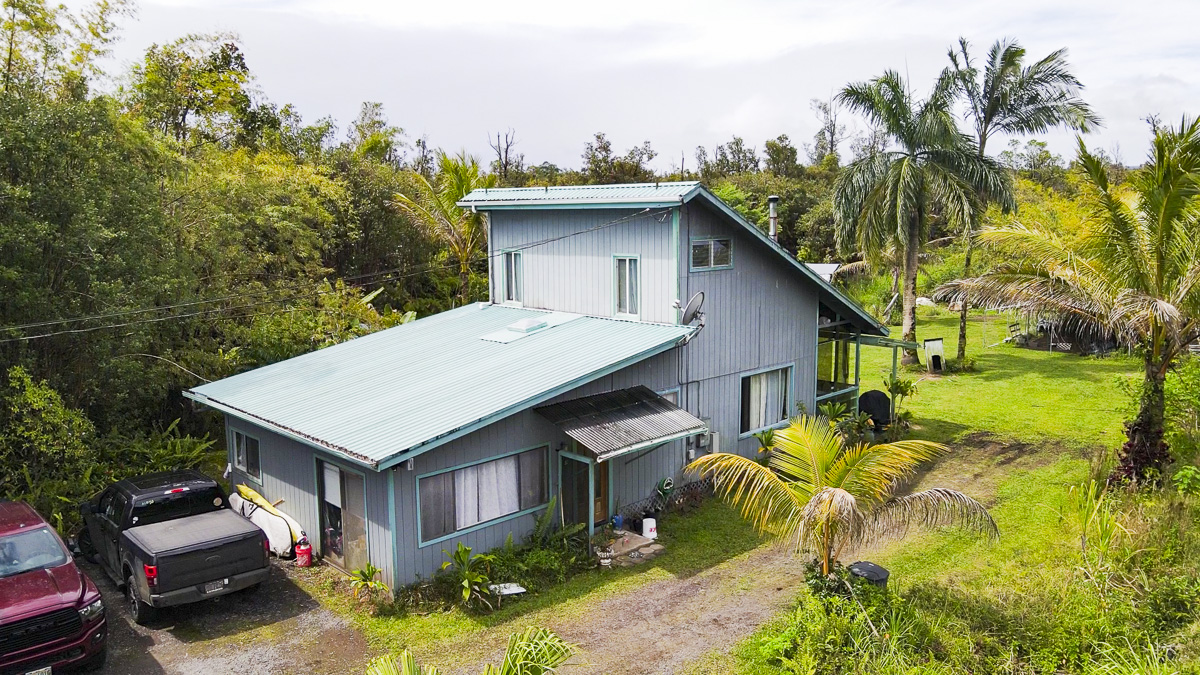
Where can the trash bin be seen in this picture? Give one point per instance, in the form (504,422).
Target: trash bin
(871,573)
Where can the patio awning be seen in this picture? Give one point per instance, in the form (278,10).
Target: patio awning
(618,422)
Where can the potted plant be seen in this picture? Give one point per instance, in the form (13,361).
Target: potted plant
(602,544)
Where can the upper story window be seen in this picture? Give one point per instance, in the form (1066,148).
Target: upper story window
(627,286)
(712,254)
(513,291)
(765,399)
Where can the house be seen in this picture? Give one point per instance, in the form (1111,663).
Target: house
(580,378)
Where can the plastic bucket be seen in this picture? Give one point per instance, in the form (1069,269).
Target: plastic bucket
(650,528)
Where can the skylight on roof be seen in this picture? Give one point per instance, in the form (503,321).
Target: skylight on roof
(530,326)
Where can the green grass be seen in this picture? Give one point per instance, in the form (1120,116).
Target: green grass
(1023,426)
(1015,393)
(707,537)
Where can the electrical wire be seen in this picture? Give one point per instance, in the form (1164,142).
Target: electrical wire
(357,278)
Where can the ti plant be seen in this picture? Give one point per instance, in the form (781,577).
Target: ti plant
(471,572)
(363,582)
(766,440)
(899,388)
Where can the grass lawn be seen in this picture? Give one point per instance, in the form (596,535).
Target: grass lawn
(1043,415)
(710,536)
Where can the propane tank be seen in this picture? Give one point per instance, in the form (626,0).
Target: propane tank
(303,554)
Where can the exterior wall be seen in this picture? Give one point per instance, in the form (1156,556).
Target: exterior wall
(576,273)
(758,314)
(289,472)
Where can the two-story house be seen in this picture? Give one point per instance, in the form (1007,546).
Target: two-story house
(578,379)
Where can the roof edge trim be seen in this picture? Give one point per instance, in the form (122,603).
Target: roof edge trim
(277,428)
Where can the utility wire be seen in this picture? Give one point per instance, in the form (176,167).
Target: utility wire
(422,269)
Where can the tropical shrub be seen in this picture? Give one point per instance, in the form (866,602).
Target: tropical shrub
(470,572)
(364,582)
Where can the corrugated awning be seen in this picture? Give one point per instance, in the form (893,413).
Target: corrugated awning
(618,422)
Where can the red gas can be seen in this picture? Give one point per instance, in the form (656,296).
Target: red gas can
(303,554)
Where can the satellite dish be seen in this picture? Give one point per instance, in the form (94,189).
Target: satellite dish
(692,311)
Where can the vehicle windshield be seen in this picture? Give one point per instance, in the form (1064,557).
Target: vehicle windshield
(32,550)
(172,505)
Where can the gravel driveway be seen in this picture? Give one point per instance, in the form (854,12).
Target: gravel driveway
(276,629)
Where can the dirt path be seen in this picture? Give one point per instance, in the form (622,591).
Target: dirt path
(276,629)
(662,626)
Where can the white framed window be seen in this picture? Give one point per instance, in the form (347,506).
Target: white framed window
(626,285)
(471,496)
(513,279)
(245,455)
(766,398)
(712,254)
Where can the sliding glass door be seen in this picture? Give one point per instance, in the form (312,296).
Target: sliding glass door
(342,498)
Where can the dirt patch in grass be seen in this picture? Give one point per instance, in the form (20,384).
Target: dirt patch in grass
(660,627)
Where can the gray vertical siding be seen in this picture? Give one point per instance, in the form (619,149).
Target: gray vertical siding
(575,273)
(759,314)
(289,474)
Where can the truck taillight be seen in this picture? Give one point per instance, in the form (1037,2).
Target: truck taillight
(266,547)
(151,574)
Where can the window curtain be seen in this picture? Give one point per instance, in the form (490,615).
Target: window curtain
(758,399)
(774,398)
(486,491)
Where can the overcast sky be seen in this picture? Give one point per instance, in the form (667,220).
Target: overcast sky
(675,73)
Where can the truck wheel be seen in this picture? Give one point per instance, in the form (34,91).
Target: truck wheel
(141,613)
(86,547)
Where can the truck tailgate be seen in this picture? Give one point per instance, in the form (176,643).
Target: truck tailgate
(197,549)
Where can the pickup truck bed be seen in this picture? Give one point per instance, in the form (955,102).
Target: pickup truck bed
(192,554)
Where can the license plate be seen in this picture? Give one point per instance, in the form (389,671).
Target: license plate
(41,671)
(213,586)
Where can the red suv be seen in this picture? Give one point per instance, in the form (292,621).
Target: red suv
(51,617)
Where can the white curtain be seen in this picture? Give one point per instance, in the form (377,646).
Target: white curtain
(333,485)
(774,408)
(758,398)
(486,491)
(466,497)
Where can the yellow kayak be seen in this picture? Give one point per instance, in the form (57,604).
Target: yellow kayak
(258,500)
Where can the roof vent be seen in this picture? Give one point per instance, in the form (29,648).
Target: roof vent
(528,325)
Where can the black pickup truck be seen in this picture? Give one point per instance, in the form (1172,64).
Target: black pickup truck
(170,538)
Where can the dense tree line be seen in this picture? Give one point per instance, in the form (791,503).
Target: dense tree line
(181,226)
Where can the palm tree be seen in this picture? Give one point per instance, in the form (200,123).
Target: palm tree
(537,651)
(821,495)
(1012,99)
(1133,273)
(434,204)
(885,198)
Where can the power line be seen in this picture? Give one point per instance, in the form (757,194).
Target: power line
(422,269)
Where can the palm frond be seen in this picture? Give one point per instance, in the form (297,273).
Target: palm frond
(536,651)
(402,664)
(763,498)
(936,507)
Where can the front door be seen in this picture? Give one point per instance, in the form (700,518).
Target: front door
(600,493)
(342,498)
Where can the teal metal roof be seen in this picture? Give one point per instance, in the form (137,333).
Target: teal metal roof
(630,194)
(650,195)
(388,396)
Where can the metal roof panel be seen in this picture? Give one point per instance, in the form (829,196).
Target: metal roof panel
(379,396)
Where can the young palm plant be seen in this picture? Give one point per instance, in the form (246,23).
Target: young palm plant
(1133,273)
(537,651)
(885,199)
(434,204)
(1014,99)
(821,495)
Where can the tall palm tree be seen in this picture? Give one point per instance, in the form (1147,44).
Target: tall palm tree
(434,205)
(886,197)
(821,495)
(1011,98)
(537,651)
(1133,273)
